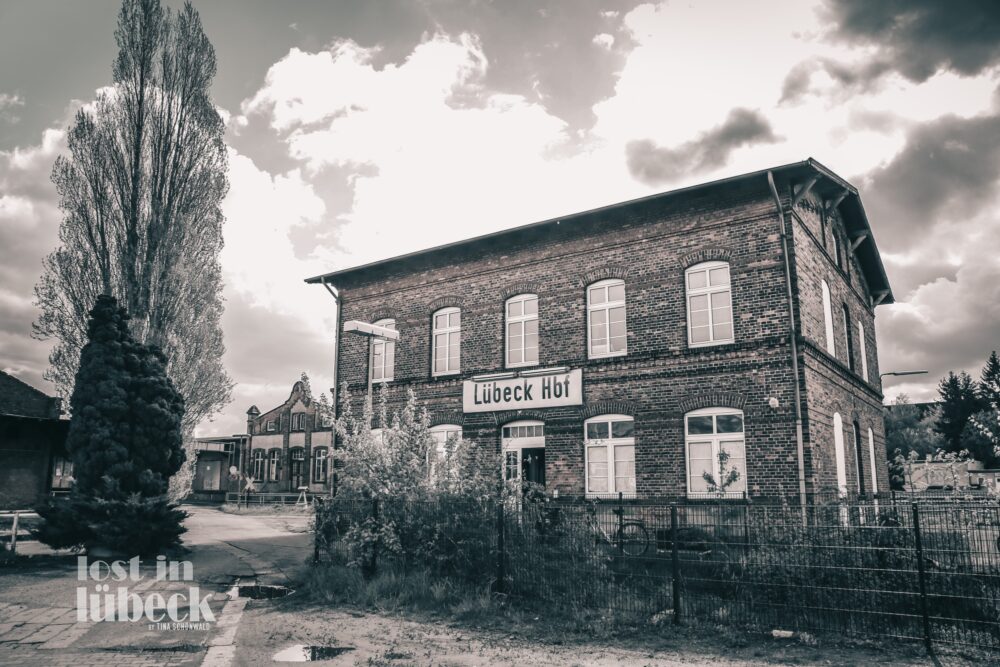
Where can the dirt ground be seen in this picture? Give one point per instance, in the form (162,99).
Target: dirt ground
(401,640)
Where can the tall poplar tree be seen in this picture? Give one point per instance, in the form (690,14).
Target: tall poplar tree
(141,193)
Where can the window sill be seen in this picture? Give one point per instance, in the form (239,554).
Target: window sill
(529,365)
(714,343)
(615,355)
(449,374)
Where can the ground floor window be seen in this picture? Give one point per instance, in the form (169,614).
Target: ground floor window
(442,435)
(609,443)
(319,465)
(274,465)
(716,451)
(62,473)
(258,464)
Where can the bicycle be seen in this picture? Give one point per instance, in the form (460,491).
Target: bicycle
(628,536)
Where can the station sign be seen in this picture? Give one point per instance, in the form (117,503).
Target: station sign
(518,393)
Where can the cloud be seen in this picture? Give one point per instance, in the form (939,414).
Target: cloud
(948,170)
(915,38)
(657,165)
(8,102)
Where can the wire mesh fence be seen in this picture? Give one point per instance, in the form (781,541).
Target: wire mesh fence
(876,568)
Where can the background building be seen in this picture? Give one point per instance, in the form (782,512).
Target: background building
(33,460)
(212,477)
(621,349)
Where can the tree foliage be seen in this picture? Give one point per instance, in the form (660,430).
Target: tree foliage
(141,193)
(959,400)
(125,441)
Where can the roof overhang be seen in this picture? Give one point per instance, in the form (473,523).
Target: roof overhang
(841,194)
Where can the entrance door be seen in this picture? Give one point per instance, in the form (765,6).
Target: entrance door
(524,452)
(210,472)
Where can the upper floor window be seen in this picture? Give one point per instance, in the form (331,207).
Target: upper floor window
(837,254)
(716,451)
(271,426)
(383,355)
(610,450)
(831,347)
(522,330)
(447,341)
(863,351)
(606,330)
(709,304)
(298,421)
(847,336)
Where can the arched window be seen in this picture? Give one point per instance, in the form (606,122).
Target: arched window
(828,319)
(838,446)
(863,351)
(609,442)
(257,467)
(446,337)
(274,465)
(709,304)
(859,458)
(319,465)
(378,436)
(606,329)
(716,451)
(383,355)
(443,434)
(848,338)
(522,330)
(871,453)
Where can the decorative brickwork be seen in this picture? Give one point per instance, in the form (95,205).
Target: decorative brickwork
(706,255)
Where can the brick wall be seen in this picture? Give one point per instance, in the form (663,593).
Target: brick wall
(18,398)
(26,450)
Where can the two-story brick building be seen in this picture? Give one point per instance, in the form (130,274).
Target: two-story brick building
(288,446)
(621,349)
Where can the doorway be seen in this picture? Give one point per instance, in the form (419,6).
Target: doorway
(298,457)
(524,453)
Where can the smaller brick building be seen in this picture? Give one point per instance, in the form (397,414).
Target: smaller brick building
(33,461)
(288,447)
(624,349)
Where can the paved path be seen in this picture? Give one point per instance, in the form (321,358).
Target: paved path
(38,615)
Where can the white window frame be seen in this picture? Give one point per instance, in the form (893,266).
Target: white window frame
(606,308)
(871,454)
(319,455)
(257,467)
(831,345)
(453,336)
(274,465)
(716,439)
(441,434)
(517,443)
(610,445)
(708,291)
(840,454)
(298,421)
(508,319)
(386,372)
(863,351)
(270,426)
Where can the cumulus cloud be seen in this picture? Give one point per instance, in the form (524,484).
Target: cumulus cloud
(914,38)
(948,170)
(8,102)
(657,165)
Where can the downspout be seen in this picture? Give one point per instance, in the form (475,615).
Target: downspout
(331,475)
(793,339)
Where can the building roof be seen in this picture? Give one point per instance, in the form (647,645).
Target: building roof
(829,184)
(18,398)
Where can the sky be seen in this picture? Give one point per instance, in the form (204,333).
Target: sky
(359,131)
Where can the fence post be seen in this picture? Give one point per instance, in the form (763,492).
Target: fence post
(746,525)
(316,532)
(621,523)
(501,583)
(676,564)
(13,534)
(922,575)
(373,562)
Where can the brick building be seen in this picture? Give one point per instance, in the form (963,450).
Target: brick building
(33,461)
(288,446)
(621,349)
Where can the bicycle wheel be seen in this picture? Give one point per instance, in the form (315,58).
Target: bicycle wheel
(633,539)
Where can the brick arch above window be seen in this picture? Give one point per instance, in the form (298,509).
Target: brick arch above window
(439,417)
(613,407)
(447,301)
(519,288)
(382,314)
(603,273)
(517,415)
(718,399)
(712,254)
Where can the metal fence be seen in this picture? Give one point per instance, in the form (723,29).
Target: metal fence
(883,567)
